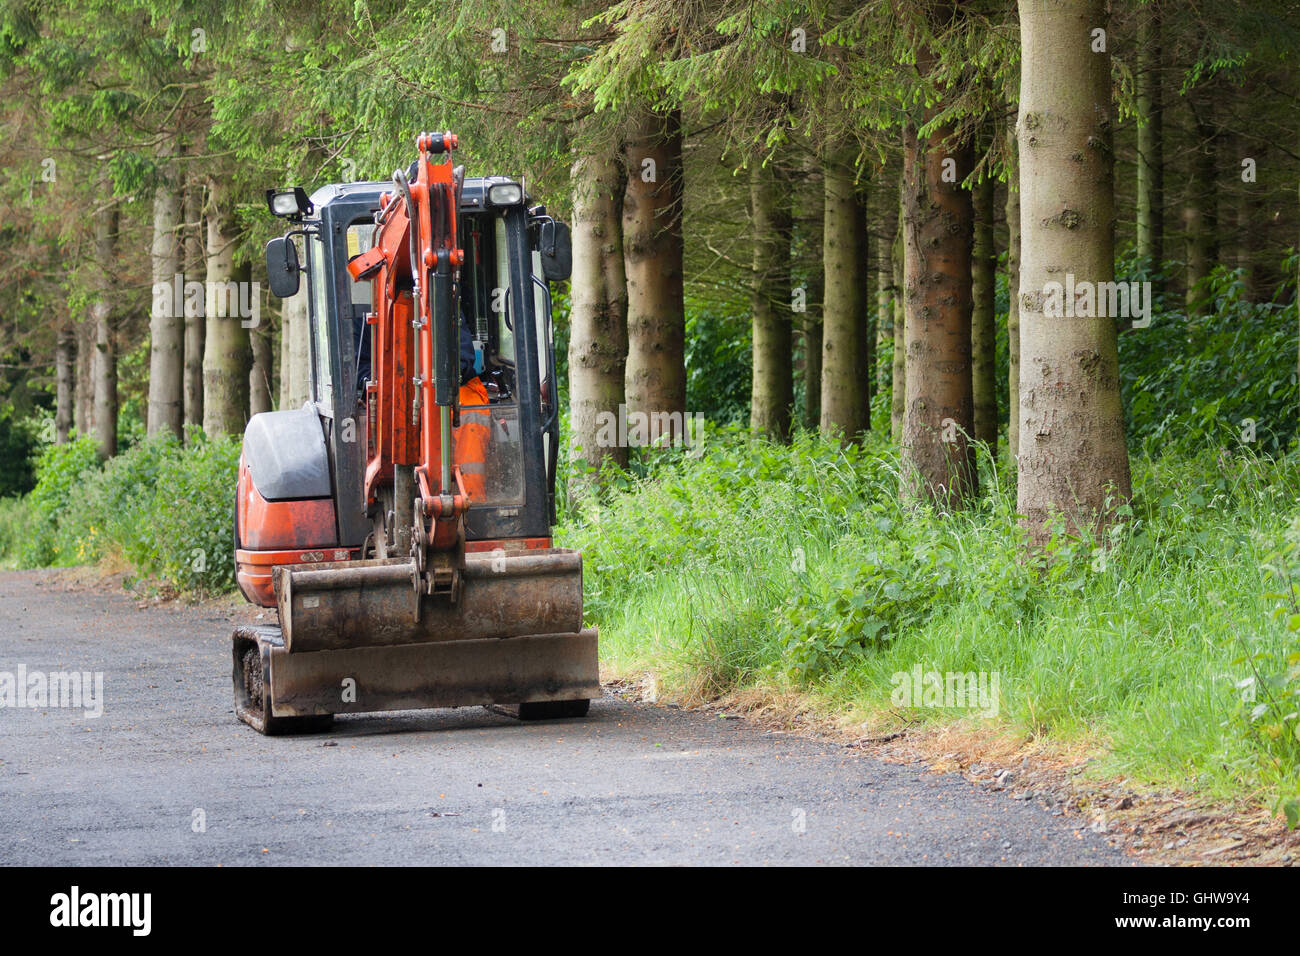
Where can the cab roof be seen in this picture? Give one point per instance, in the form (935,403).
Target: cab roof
(473,194)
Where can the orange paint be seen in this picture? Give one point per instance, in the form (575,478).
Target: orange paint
(508,544)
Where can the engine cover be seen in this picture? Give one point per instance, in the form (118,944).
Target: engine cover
(284,508)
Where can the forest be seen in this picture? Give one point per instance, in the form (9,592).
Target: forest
(958,335)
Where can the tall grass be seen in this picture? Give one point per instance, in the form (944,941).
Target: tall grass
(16,519)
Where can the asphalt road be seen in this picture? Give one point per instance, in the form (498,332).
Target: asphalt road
(167,776)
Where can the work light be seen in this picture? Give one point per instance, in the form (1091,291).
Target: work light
(288,203)
(505,194)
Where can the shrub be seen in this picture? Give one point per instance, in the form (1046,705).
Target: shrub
(1191,382)
(165,509)
(115,511)
(192,533)
(62,472)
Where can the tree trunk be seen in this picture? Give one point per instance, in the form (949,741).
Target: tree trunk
(885,292)
(1073,460)
(811,326)
(262,372)
(1200,220)
(1251,221)
(652,251)
(984,338)
(103,313)
(167,317)
(195,271)
(898,374)
(65,362)
(1150,135)
(866,314)
(598,316)
(1013,299)
(226,353)
(84,398)
(811,330)
(772,384)
(938,232)
(843,255)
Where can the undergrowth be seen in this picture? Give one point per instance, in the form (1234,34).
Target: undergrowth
(754,564)
(161,508)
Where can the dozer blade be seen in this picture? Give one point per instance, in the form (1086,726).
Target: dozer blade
(514,670)
(378,603)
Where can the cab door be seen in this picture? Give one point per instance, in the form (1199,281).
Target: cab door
(499,305)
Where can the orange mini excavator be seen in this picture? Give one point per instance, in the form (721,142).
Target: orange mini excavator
(400,521)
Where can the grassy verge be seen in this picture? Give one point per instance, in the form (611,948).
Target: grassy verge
(796,569)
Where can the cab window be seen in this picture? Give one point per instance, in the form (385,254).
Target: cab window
(322,357)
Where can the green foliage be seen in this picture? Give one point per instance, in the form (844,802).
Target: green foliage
(62,472)
(192,534)
(697,510)
(164,509)
(17,519)
(131,172)
(718,363)
(18,443)
(858,612)
(561,306)
(1191,382)
(913,570)
(113,512)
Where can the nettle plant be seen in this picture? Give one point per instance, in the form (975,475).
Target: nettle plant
(916,568)
(893,589)
(1223,377)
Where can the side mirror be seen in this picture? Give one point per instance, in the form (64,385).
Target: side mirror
(282,270)
(556,248)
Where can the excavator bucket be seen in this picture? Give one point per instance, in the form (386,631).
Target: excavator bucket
(360,636)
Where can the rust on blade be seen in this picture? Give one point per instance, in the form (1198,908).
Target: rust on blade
(380,603)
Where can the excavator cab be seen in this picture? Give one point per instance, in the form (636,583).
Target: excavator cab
(505,304)
(400,521)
